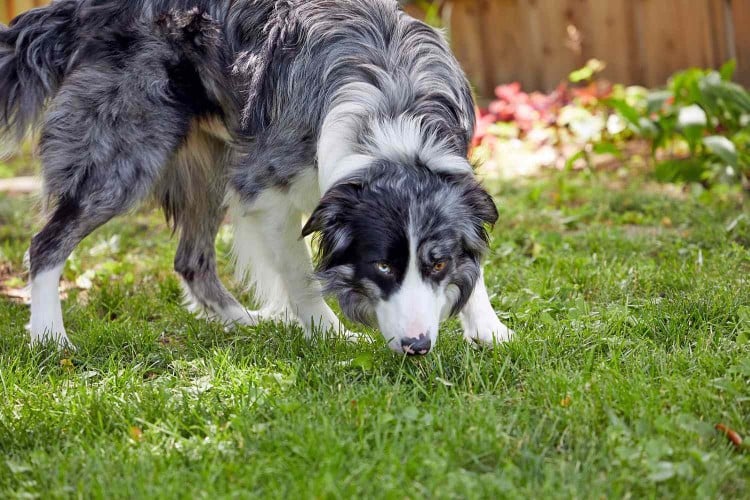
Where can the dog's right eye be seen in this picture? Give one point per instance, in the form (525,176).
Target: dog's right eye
(384,268)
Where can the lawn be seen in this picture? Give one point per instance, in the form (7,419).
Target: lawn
(632,305)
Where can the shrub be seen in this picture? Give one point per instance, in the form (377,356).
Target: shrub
(697,128)
(702,110)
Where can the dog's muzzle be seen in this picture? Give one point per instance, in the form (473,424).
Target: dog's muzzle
(417,346)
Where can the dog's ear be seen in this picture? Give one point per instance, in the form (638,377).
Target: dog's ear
(316,221)
(481,204)
(481,211)
(332,209)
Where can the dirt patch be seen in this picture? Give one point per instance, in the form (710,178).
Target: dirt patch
(11,285)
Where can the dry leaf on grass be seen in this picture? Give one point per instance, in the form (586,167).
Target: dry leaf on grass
(732,435)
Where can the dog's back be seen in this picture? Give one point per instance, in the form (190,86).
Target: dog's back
(119,90)
(43,47)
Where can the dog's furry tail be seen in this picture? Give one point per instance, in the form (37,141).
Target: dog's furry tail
(35,50)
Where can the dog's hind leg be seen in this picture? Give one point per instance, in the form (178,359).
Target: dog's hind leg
(74,218)
(192,193)
(49,250)
(103,146)
(195,262)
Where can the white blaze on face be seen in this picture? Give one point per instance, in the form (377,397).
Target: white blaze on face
(415,309)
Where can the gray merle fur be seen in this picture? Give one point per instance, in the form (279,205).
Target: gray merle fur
(120,90)
(366,220)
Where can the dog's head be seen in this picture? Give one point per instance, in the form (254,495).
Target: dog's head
(400,247)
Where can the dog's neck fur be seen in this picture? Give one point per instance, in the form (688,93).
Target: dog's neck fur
(343,148)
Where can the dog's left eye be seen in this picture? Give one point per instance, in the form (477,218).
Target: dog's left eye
(439,267)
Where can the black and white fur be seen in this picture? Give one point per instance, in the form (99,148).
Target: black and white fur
(349,111)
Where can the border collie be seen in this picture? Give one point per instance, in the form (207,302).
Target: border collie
(347,110)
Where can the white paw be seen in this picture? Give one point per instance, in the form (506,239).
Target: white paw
(486,330)
(239,316)
(56,336)
(333,329)
(356,337)
(228,316)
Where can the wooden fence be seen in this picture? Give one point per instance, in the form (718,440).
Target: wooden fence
(539,42)
(10,8)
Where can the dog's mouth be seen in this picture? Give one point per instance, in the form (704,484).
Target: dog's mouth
(418,346)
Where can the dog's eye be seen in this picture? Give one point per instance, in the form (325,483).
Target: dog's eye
(384,268)
(439,267)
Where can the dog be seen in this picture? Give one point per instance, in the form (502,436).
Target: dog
(348,111)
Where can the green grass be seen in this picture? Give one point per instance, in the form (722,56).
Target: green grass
(22,164)
(632,307)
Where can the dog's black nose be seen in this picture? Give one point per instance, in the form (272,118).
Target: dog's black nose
(417,346)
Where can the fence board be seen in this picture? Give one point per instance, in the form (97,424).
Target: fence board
(722,47)
(7,11)
(559,52)
(10,8)
(740,10)
(503,41)
(642,41)
(611,37)
(661,34)
(467,41)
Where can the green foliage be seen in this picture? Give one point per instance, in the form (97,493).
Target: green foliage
(22,164)
(431,10)
(701,109)
(587,73)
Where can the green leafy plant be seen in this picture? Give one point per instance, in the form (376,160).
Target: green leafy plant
(430,8)
(697,126)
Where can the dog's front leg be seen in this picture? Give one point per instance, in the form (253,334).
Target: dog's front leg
(293,263)
(480,322)
(285,256)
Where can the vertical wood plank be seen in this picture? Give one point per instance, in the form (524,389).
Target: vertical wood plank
(677,34)
(741,21)
(642,41)
(720,31)
(6,11)
(11,8)
(545,24)
(661,39)
(414,11)
(534,43)
(699,33)
(505,44)
(612,37)
(23,6)
(467,43)
(549,21)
